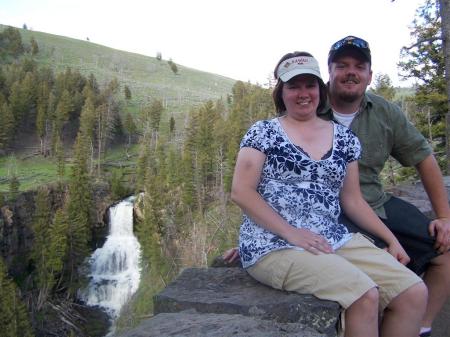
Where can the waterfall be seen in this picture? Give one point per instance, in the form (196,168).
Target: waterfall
(114,268)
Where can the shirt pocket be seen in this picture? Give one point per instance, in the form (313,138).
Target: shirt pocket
(375,148)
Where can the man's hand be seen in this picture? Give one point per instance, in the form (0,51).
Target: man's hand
(231,255)
(440,230)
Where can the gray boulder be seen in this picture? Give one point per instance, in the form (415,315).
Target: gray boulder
(191,323)
(233,291)
(226,301)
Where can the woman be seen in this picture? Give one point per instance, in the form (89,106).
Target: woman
(291,176)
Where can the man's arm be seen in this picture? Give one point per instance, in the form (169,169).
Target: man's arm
(431,177)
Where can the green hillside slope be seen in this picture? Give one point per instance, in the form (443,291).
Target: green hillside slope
(147,77)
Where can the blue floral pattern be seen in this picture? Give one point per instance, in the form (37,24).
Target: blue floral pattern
(304,191)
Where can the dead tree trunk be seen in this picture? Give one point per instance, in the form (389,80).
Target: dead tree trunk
(444,8)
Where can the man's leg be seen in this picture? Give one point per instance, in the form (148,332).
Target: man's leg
(402,294)
(411,227)
(437,279)
(402,316)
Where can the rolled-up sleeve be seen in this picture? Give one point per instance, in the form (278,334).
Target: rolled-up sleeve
(410,146)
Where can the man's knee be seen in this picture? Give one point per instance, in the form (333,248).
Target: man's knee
(442,260)
(413,298)
(439,268)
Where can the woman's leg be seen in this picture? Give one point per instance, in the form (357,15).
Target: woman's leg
(361,318)
(326,276)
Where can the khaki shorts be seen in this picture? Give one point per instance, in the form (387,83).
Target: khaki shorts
(342,277)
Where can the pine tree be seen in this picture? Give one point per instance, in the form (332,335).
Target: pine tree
(150,118)
(174,169)
(62,112)
(92,84)
(205,141)
(40,250)
(127,93)
(58,244)
(79,210)
(34,46)
(18,103)
(383,86)
(14,185)
(189,197)
(42,118)
(173,66)
(172,125)
(14,320)
(118,190)
(130,128)
(220,146)
(11,42)
(142,163)
(6,126)
(87,128)
(29,95)
(424,61)
(106,118)
(150,230)
(156,110)
(60,159)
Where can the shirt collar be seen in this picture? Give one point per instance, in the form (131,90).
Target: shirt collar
(366,103)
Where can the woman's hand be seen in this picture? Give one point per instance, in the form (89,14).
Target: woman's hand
(309,241)
(231,255)
(396,250)
(303,238)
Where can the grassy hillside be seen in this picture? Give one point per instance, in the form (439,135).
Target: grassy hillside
(146,76)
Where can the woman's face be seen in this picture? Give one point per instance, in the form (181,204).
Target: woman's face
(301,96)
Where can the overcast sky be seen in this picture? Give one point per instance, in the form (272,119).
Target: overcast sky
(241,39)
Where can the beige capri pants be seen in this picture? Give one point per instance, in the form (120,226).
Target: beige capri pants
(343,276)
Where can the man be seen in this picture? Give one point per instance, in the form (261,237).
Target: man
(383,130)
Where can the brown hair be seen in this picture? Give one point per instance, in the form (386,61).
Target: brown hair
(277,91)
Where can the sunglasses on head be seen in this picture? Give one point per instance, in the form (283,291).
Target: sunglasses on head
(350,41)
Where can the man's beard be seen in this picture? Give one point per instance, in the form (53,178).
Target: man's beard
(349,97)
(346,96)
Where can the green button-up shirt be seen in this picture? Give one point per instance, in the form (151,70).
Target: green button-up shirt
(383,130)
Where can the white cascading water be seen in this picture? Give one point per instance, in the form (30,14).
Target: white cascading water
(114,268)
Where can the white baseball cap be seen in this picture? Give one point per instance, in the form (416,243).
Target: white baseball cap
(296,66)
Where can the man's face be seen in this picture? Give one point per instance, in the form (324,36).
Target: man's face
(350,75)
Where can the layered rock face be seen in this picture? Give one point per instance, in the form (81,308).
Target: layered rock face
(16,219)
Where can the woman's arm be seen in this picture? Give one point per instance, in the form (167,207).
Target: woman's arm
(247,175)
(357,209)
